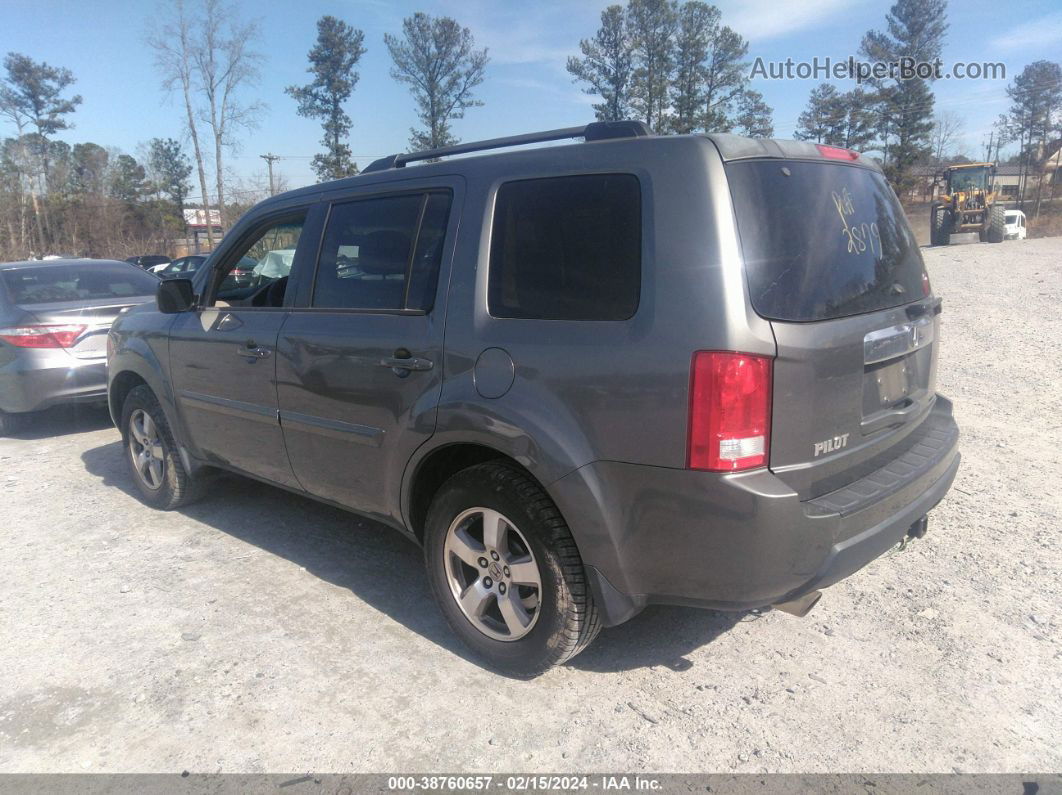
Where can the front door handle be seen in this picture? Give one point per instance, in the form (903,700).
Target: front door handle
(252,351)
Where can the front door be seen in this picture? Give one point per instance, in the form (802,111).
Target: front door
(223,358)
(360,365)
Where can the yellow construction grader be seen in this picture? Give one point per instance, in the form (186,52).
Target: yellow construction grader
(968,204)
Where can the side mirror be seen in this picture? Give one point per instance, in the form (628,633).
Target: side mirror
(175,295)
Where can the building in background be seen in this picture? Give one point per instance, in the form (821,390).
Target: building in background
(195,223)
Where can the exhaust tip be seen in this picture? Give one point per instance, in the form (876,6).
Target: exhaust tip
(800,606)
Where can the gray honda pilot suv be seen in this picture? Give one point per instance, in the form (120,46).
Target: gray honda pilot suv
(694,370)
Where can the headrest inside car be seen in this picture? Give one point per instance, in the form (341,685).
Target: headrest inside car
(384,253)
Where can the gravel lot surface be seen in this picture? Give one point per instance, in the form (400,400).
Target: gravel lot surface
(257,631)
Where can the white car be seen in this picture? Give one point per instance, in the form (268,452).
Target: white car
(1015,221)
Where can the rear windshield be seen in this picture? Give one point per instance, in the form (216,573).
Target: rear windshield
(91,281)
(822,240)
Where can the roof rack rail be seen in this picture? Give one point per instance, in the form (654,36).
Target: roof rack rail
(595,131)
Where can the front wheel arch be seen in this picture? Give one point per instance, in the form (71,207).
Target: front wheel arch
(121,385)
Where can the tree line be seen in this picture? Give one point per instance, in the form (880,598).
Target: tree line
(674,65)
(93,200)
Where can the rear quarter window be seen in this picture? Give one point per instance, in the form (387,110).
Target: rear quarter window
(822,240)
(566,248)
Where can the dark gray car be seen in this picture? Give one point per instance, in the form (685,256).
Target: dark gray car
(54,318)
(693,370)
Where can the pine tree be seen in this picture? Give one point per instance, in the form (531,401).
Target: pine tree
(332,64)
(606,64)
(652,25)
(915,31)
(439,61)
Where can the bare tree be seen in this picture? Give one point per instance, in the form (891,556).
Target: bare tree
(946,128)
(225,60)
(172,43)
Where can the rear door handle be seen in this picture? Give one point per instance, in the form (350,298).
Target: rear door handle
(407,363)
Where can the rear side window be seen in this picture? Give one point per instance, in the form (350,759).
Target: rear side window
(383,253)
(567,248)
(822,240)
(93,280)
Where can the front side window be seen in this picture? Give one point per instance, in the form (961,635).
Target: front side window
(257,273)
(383,253)
(567,248)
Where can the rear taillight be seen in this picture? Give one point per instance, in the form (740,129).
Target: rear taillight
(836,152)
(926,287)
(41,336)
(730,411)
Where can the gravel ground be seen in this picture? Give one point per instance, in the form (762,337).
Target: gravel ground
(257,631)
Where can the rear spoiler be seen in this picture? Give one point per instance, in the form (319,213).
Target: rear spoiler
(737,147)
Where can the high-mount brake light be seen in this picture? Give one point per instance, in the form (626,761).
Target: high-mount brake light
(730,411)
(836,152)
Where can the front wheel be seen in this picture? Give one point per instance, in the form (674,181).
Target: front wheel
(997,224)
(151,453)
(505,570)
(940,226)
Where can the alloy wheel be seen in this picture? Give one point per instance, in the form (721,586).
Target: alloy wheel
(145,449)
(492,574)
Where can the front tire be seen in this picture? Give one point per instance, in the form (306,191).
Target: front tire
(940,226)
(997,224)
(505,571)
(151,453)
(12,423)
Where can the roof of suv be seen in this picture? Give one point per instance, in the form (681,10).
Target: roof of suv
(730,147)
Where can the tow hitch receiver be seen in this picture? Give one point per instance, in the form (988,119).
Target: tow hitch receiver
(918,529)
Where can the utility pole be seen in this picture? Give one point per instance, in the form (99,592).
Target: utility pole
(269,159)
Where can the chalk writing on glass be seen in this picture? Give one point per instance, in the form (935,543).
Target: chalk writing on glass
(859,236)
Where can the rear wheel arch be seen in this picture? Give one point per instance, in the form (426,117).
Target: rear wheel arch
(438,466)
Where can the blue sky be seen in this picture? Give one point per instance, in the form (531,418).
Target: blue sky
(526,88)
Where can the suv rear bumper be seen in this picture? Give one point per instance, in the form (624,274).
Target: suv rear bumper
(739,541)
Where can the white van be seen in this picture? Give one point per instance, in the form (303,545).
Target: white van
(1015,220)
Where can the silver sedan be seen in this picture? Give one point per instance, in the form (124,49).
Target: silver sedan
(54,319)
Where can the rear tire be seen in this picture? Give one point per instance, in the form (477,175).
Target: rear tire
(940,226)
(151,453)
(12,423)
(494,513)
(997,224)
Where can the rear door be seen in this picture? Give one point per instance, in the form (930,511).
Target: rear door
(223,356)
(831,262)
(360,359)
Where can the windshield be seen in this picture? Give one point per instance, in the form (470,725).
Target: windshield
(822,240)
(91,281)
(969,179)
